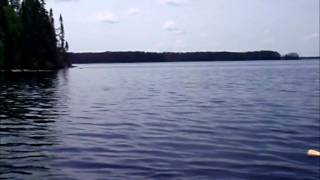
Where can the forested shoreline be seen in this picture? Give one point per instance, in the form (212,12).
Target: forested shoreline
(29,38)
(139,56)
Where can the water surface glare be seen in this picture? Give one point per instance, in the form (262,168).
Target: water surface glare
(195,120)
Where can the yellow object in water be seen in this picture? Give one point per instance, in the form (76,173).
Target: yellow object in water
(313,153)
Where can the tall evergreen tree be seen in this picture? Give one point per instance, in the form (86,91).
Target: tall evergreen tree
(1,55)
(52,40)
(29,40)
(63,46)
(10,30)
(61,33)
(3,3)
(27,30)
(67,46)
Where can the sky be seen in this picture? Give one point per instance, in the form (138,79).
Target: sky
(190,25)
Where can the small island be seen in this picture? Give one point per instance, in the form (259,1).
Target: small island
(29,39)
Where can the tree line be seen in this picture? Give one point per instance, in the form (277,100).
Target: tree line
(139,56)
(29,38)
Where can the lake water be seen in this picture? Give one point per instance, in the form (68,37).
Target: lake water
(196,120)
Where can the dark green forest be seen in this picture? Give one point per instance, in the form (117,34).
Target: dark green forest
(138,56)
(29,38)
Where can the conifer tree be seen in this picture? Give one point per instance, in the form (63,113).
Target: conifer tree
(3,3)
(10,32)
(15,4)
(61,33)
(67,46)
(27,30)
(1,55)
(63,46)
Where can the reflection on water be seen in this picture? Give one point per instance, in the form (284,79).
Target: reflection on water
(28,104)
(208,120)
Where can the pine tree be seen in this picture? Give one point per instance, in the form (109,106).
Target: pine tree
(27,30)
(51,17)
(15,4)
(39,29)
(67,46)
(61,33)
(1,55)
(10,30)
(52,40)
(63,46)
(27,17)
(3,3)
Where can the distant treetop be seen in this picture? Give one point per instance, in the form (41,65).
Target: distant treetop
(292,55)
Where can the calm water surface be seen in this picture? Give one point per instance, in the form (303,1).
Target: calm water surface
(204,120)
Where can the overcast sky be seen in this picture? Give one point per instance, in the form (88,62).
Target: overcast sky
(191,25)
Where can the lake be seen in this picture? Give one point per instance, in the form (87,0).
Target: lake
(194,120)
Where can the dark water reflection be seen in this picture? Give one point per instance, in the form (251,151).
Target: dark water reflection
(29,107)
(229,120)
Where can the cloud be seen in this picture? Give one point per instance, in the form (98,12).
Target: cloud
(102,16)
(66,0)
(203,35)
(106,16)
(172,26)
(180,44)
(269,40)
(267,31)
(134,11)
(173,2)
(312,36)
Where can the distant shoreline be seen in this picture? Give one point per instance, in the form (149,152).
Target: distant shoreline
(310,57)
(149,57)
